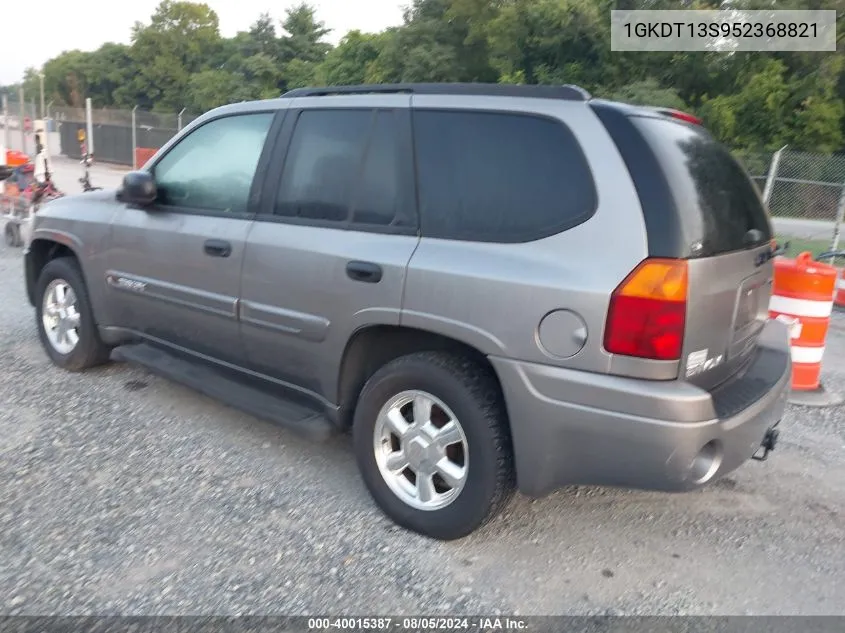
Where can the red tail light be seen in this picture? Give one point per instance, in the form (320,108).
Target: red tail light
(648,311)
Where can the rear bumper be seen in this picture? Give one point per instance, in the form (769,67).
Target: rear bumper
(572,427)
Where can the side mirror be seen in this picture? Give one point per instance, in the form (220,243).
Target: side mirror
(139,187)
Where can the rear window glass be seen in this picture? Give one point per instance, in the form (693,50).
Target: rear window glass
(498,177)
(717,201)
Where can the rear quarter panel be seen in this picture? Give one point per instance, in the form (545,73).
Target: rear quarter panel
(494,296)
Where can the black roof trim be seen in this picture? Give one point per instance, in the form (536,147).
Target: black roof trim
(566,92)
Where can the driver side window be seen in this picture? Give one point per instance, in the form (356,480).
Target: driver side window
(212,168)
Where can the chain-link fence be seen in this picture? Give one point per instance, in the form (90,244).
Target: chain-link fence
(803,185)
(805,193)
(16,124)
(125,137)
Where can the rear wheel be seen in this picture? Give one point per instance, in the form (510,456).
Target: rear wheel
(64,317)
(433,445)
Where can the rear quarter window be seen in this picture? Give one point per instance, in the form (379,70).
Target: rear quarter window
(499,177)
(716,201)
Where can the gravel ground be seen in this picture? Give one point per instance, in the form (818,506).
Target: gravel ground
(122,493)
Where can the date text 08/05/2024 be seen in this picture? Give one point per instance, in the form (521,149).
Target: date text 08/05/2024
(418,624)
(753,30)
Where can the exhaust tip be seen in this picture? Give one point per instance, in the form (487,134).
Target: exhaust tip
(706,463)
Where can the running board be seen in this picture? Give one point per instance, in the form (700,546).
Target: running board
(301,419)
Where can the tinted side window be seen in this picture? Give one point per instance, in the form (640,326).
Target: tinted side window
(342,166)
(213,167)
(377,191)
(498,177)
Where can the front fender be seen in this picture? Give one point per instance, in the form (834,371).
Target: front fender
(58,236)
(78,225)
(43,246)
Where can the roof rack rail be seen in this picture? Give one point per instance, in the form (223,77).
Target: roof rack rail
(565,92)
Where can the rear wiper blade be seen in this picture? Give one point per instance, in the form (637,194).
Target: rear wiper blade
(779,250)
(774,250)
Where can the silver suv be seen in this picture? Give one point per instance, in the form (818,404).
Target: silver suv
(492,286)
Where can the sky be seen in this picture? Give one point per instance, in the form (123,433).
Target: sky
(87,24)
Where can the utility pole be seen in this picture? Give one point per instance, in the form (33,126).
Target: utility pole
(89,120)
(5,122)
(41,78)
(772,176)
(134,140)
(22,119)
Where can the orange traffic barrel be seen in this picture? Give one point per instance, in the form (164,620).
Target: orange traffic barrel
(803,297)
(839,296)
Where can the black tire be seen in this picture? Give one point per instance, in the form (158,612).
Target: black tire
(473,395)
(90,350)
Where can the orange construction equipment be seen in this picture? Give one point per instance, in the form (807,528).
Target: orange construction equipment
(803,298)
(144,154)
(15,158)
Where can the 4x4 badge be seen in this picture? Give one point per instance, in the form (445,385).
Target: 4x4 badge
(127,284)
(698,362)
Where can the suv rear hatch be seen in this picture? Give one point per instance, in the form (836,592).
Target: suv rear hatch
(699,205)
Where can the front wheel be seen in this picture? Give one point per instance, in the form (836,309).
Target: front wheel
(64,317)
(433,445)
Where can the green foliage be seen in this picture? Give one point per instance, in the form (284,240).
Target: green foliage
(167,52)
(299,73)
(770,108)
(551,41)
(304,35)
(754,102)
(441,40)
(209,89)
(351,62)
(649,92)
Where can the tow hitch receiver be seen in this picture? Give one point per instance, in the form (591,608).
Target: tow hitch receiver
(770,439)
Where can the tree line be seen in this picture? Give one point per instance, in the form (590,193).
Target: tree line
(752,101)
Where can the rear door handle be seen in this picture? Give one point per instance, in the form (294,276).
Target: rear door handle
(217,248)
(364,271)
